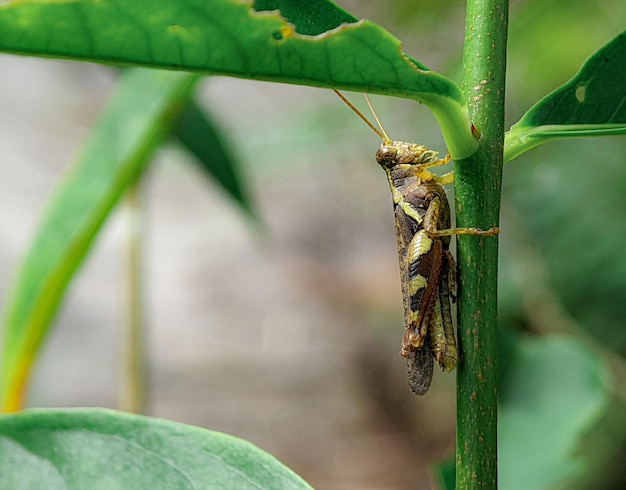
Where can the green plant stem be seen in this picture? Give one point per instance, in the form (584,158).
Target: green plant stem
(477,191)
(134,379)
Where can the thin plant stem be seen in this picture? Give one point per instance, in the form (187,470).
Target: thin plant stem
(477,190)
(134,379)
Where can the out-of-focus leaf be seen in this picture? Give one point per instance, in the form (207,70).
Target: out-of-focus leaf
(231,38)
(310,17)
(103,449)
(197,132)
(564,242)
(141,111)
(593,103)
(556,391)
(445,472)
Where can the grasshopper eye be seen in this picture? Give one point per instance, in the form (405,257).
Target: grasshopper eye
(387,156)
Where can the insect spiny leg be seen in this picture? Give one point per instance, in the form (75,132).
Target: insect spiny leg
(465,231)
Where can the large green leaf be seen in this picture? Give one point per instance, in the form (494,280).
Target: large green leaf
(592,103)
(229,37)
(102,449)
(140,113)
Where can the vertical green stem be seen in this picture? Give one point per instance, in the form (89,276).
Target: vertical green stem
(477,191)
(134,379)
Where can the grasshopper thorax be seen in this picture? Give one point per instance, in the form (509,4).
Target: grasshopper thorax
(393,153)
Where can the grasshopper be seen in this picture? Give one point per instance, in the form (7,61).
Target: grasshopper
(427,267)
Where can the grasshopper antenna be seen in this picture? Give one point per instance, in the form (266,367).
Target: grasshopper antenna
(380,125)
(381,133)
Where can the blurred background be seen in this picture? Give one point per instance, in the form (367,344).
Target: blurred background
(289,336)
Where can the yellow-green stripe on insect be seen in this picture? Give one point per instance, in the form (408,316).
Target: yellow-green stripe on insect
(427,268)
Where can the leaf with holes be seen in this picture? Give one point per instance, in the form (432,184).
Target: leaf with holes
(592,103)
(312,43)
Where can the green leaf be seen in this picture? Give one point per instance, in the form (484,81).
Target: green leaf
(555,392)
(229,37)
(200,136)
(103,449)
(311,17)
(592,103)
(140,113)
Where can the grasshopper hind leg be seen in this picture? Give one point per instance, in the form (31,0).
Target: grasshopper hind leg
(419,366)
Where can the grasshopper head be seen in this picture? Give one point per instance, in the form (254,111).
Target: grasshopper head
(392,153)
